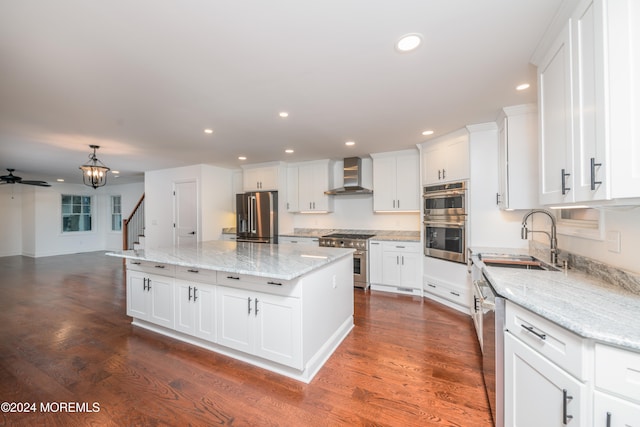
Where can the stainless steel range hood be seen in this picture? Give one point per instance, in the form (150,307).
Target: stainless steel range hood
(352,173)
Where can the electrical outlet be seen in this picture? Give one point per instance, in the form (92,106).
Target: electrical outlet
(613,241)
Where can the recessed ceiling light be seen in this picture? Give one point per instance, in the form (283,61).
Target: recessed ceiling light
(60,180)
(283,114)
(208,131)
(115,172)
(288,151)
(523,86)
(242,158)
(427,132)
(350,143)
(408,42)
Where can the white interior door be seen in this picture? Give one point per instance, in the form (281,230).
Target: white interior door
(186,216)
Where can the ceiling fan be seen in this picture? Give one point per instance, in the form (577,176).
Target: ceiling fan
(12,179)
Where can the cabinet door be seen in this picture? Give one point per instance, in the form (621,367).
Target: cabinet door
(537,392)
(260,179)
(161,311)
(292,189)
(375,262)
(502,198)
(590,139)
(433,160)
(205,314)
(456,167)
(410,270)
(610,411)
(384,183)
(235,315)
(278,323)
(407,182)
(184,307)
(554,98)
(391,268)
(137,296)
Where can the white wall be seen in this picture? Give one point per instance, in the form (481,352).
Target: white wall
(488,225)
(33,225)
(10,220)
(214,187)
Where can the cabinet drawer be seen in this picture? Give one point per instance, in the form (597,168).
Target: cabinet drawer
(402,246)
(562,347)
(261,284)
(196,274)
(618,371)
(151,267)
(451,293)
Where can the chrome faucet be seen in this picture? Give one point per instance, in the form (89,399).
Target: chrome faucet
(524,233)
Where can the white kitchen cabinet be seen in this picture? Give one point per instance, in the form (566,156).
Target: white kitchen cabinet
(401,264)
(195,309)
(539,393)
(448,283)
(446,159)
(617,395)
(314,178)
(517,157)
(589,105)
(311,241)
(396,183)
(375,262)
(265,325)
(260,178)
(292,189)
(150,297)
(554,98)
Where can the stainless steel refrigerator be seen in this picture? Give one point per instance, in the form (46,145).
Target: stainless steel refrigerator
(257,217)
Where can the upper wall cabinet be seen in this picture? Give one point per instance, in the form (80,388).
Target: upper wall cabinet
(396,181)
(307,183)
(518,157)
(446,158)
(589,101)
(260,177)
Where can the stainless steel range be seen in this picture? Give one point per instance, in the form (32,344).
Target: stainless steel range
(359,242)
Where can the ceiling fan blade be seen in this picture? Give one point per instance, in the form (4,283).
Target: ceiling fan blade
(38,183)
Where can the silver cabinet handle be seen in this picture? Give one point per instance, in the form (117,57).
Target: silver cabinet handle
(255,302)
(564,182)
(608,419)
(565,401)
(195,295)
(593,173)
(531,330)
(248,305)
(189,293)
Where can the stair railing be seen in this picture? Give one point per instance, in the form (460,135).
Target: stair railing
(133,227)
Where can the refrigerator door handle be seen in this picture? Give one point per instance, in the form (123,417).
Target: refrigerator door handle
(253,207)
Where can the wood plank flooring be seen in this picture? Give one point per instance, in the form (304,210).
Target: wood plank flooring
(65,337)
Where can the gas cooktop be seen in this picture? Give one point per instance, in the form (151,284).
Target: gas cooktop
(348,236)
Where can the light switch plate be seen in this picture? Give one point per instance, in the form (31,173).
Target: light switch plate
(613,241)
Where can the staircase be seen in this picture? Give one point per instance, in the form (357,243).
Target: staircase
(133,228)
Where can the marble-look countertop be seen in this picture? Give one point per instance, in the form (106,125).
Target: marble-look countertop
(589,307)
(390,235)
(283,261)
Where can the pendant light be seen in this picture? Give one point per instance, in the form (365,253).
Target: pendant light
(94,173)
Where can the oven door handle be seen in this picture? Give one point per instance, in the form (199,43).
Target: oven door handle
(439,194)
(444,223)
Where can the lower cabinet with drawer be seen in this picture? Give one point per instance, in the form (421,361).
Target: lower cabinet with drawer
(448,283)
(616,401)
(545,372)
(394,266)
(150,294)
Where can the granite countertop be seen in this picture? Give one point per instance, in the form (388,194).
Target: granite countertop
(284,261)
(587,306)
(390,235)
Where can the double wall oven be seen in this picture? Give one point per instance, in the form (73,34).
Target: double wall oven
(445,221)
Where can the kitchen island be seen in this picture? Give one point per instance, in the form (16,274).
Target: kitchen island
(284,308)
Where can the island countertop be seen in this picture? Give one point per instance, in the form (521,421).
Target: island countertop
(282,261)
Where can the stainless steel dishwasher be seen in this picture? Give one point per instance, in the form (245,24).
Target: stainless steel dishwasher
(493,318)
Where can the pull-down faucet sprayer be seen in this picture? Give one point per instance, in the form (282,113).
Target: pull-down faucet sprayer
(524,232)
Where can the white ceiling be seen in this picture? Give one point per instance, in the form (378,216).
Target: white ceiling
(144,78)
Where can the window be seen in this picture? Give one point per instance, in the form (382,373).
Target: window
(581,222)
(116,213)
(76,213)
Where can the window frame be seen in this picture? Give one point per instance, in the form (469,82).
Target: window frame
(112,213)
(91,213)
(579,228)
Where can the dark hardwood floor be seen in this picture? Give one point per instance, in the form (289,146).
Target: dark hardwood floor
(65,337)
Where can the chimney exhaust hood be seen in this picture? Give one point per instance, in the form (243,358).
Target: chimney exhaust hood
(352,172)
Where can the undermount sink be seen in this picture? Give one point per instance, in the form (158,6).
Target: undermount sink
(525,262)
